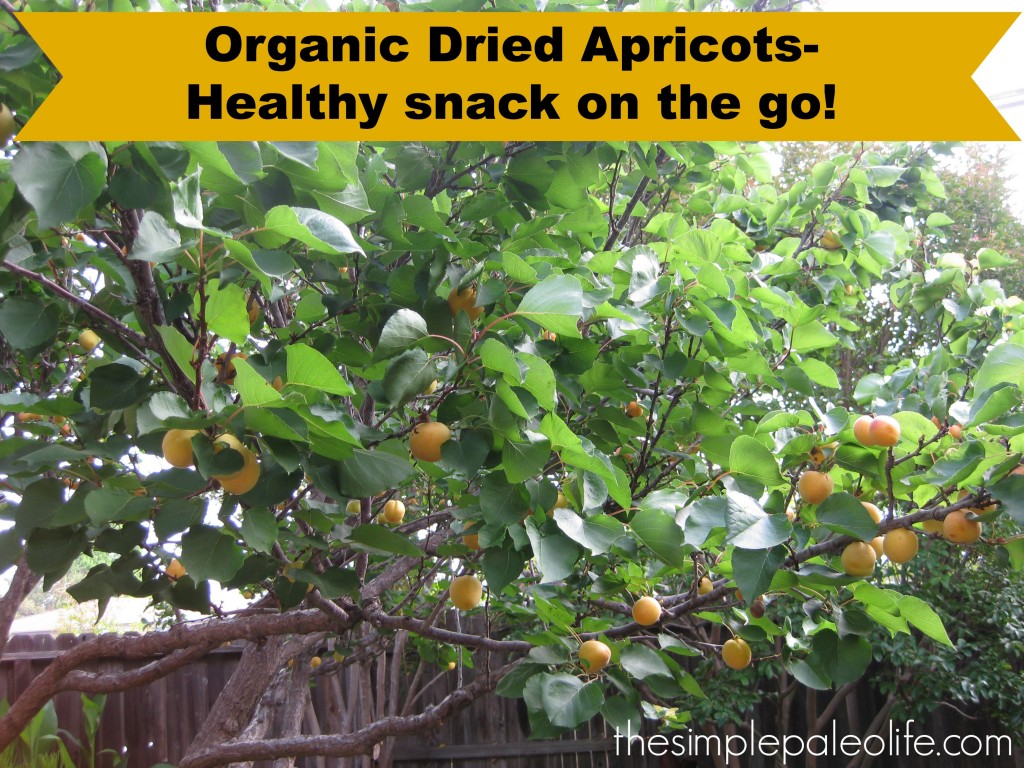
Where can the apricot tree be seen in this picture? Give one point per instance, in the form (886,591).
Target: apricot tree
(573,379)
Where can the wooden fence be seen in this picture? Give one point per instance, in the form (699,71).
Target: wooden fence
(157,722)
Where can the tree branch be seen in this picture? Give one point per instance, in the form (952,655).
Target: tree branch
(360,742)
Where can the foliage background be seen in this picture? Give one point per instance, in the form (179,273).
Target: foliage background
(687,277)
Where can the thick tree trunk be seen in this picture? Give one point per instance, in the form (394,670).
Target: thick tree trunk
(21,584)
(232,713)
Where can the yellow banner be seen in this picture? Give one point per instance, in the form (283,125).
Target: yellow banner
(517,76)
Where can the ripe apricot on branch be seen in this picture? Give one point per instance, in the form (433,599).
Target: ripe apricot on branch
(862,430)
(736,653)
(243,480)
(634,409)
(859,559)
(464,300)
(877,545)
(705,586)
(875,512)
(89,340)
(830,241)
(226,368)
(814,486)
(7,125)
(884,431)
(466,592)
(427,438)
(646,611)
(394,511)
(594,656)
(175,570)
(900,545)
(177,447)
(956,528)
(560,503)
(956,431)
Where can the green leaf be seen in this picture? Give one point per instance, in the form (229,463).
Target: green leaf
(226,313)
(401,331)
(157,241)
(597,533)
(555,303)
(938,220)
(380,539)
(252,387)
(843,659)
(39,505)
(320,231)
(115,386)
(10,548)
(107,504)
(919,614)
(27,322)
(309,369)
(259,529)
(956,466)
(187,198)
(555,553)
(52,551)
(408,376)
(812,336)
(569,702)
(501,565)
(1010,492)
(992,259)
(776,420)
(497,357)
(642,662)
(1003,365)
(754,569)
(523,460)
(748,456)
(210,553)
(750,527)
(59,180)
(334,582)
(177,515)
(367,473)
(819,372)
(810,675)
(993,404)
(511,685)
(179,348)
(660,534)
(466,455)
(845,515)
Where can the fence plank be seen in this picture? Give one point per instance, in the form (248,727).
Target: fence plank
(156,723)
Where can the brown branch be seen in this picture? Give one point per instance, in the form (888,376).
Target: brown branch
(94,682)
(379,618)
(123,331)
(21,584)
(360,742)
(214,632)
